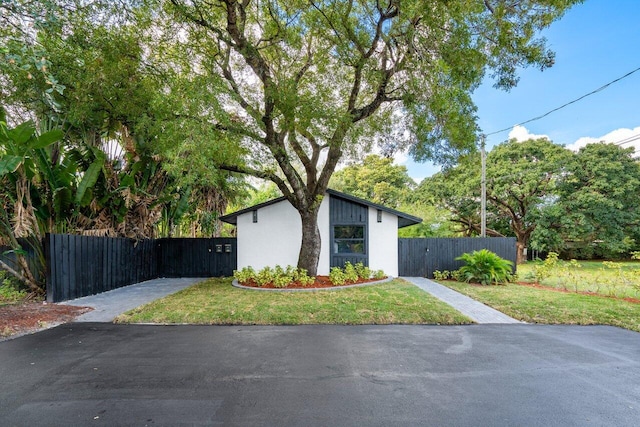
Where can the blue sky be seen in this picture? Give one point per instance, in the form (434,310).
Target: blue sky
(595,43)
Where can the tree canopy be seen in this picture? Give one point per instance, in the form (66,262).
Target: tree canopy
(376,179)
(598,203)
(551,199)
(295,86)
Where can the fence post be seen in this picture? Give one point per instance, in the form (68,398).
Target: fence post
(49,276)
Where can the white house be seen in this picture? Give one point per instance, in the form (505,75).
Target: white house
(351,229)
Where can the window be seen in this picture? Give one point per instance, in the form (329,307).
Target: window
(349,239)
(255,216)
(379,215)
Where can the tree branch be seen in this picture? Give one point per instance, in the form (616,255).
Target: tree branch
(488,6)
(200,20)
(270,176)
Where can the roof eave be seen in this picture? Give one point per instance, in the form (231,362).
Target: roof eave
(404,219)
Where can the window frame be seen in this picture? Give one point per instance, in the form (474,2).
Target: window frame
(334,240)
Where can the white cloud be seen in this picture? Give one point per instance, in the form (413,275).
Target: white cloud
(520,134)
(616,136)
(400,157)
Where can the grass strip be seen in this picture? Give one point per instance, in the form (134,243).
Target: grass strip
(216,302)
(537,305)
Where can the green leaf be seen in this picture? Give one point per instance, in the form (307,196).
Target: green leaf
(88,180)
(21,133)
(88,197)
(9,164)
(127,181)
(62,199)
(47,138)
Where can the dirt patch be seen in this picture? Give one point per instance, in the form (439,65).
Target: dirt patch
(28,317)
(321,282)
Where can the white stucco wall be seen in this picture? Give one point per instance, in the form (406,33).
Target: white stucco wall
(383,242)
(325,236)
(275,239)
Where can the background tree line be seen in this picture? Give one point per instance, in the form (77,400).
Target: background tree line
(580,204)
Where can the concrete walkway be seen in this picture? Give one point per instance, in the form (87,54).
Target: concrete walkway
(109,305)
(471,308)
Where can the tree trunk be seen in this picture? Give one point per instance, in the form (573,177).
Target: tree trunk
(29,278)
(310,247)
(522,241)
(520,256)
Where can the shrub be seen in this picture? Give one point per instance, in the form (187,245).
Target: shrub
(247,274)
(350,272)
(362,271)
(379,275)
(457,276)
(10,289)
(282,281)
(306,280)
(265,276)
(278,276)
(484,267)
(301,275)
(337,276)
(441,275)
(545,270)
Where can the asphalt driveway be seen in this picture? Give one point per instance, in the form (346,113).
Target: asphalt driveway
(478,375)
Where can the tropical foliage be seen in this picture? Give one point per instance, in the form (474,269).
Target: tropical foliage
(484,267)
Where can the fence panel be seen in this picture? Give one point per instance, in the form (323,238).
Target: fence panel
(78,266)
(193,257)
(422,256)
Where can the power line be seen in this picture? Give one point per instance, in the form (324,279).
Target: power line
(567,104)
(627,140)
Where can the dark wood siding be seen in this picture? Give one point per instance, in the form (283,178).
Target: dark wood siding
(421,257)
(346,212)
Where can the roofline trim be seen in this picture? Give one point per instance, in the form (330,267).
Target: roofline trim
(232,218)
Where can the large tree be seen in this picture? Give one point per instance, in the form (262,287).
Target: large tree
(295,85)
(597,211)
(522,177)
(521,180)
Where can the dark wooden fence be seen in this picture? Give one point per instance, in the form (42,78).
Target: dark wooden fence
(420,257)
(78,266)
(197,257)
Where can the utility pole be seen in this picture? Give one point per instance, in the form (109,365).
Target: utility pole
(483,196)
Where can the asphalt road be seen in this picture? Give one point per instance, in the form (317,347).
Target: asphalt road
(479,375)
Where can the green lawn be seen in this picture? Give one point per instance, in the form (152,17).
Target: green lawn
(621,279)
(216,302)
(537,305)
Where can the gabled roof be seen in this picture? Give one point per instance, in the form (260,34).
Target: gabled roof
(404,220)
